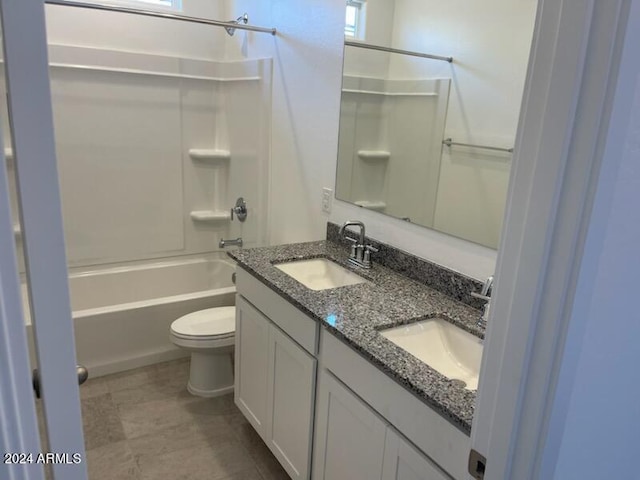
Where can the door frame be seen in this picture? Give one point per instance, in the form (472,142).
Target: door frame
(18,423)
(562,134)
(33,144)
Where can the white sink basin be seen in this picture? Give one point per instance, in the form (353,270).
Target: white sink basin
(320,274)
(454,353)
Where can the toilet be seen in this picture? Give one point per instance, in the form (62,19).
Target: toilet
(209,336)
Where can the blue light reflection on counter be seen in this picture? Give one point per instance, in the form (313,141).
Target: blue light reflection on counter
(331,320)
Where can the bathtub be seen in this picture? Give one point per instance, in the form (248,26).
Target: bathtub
(122,314)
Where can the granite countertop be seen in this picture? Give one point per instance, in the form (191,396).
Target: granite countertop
(356,313)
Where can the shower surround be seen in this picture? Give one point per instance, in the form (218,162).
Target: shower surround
(127,125)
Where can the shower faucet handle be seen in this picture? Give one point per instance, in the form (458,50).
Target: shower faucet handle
(240,210)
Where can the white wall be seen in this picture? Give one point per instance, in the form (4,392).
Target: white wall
(307,56)
(119,31)
(594,426)
(490,43)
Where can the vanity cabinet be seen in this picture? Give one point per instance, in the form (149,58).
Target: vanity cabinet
(418,443)
(275,377)
(354,420)
(354,442)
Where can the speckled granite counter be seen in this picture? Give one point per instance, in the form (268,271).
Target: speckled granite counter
(356,313)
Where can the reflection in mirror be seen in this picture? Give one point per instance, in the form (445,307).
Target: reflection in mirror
(414,131)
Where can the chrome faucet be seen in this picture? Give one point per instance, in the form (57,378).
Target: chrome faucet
(485,294)
(360,253)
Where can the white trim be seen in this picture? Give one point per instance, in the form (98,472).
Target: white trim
(29,100)
(390,94)
(162,355)
(131,71)
(18,424)
(558,150)
(616,141)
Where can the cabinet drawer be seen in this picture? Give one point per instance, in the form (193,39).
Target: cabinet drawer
(300,327)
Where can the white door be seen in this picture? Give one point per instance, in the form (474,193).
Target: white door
(32,144)
(291,392)
(251,360)
(403,462)
(349,436)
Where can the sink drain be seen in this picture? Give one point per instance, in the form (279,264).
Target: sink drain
(459,383)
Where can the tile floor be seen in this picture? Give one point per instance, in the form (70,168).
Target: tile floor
(144,425)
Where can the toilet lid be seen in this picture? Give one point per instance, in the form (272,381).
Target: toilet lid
(207,323)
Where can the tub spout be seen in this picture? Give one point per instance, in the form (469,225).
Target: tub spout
(226,243)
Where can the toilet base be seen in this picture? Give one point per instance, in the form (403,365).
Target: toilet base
(211,373)
(209,393)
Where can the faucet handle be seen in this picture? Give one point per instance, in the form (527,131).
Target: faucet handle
(354,246)
(488,285)
(367,254)
(486,298)
(485,293)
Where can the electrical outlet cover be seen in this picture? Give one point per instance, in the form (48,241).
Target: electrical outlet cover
(327,197)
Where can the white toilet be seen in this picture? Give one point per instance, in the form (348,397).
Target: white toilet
(209,336)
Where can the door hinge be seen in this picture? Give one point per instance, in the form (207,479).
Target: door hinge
(477,465)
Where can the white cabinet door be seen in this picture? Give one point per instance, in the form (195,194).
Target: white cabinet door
(291,392)
(403,462)
(350,437)
(251,362)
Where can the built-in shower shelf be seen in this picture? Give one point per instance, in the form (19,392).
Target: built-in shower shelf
(374,155)
(209,155)
(210,216)
(371,205)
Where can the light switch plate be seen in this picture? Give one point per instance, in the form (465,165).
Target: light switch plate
(327,198)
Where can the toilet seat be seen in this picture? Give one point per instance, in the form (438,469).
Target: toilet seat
(211,324)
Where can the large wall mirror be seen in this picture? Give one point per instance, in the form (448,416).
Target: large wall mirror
(424,139)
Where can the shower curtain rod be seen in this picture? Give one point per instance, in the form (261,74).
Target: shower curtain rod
(380,48)
(230,26)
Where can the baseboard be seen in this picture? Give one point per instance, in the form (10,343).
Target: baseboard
(102,369)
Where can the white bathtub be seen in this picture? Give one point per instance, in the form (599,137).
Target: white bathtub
(122,314)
